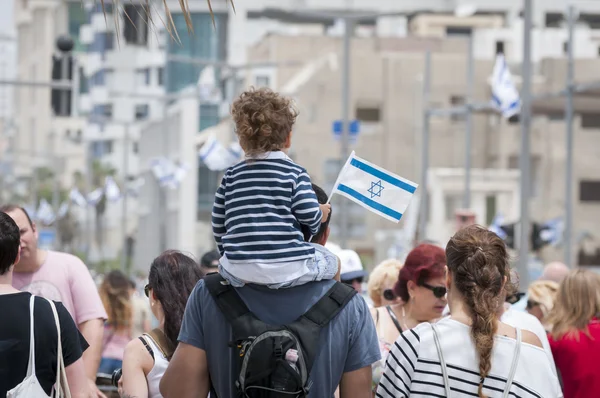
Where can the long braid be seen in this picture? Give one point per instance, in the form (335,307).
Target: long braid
(478,261)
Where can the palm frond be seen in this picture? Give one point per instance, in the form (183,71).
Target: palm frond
(169,24)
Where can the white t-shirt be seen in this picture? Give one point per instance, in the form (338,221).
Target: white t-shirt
(413,366)
(525,321)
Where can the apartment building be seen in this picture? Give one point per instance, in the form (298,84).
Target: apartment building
(386,87)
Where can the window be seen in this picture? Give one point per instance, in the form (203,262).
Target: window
(452,203)
(142,111)
(101,148)
(208,42)
(457,101)
(135,19)
(355,213)
(103,41)
(142,77)
(589,190)
(109,77)
(565,47)
(135,147)
(499,47)
(368,114)
(458,31)
(262,81)
(161,76)
(208,182)
(209,116)
(98,78)
(84,87)
(103,110)
(590,121)
(490,209)
(553,19)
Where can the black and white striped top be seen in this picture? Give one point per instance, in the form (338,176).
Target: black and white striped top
(259,210)
(413,367)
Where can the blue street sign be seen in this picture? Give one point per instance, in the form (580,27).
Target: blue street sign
(46,239)
(336,127)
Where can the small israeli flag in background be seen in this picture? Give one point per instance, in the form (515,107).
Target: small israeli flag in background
(504,93)
(377,189)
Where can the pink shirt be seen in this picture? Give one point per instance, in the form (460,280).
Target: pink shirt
(65,278)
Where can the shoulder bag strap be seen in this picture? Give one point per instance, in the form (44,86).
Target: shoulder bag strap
(61,384)
(31,363)
(394,318)
(163,343)
(442,362)
(513,367)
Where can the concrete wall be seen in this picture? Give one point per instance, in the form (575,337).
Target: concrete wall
(179,146)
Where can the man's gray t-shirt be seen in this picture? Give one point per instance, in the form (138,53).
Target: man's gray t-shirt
(349,342)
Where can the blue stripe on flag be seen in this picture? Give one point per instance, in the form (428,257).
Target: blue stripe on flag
(383,176)
(210,149)
(369,202)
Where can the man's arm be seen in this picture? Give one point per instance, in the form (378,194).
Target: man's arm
(357,384)
(93,331)
(187,374)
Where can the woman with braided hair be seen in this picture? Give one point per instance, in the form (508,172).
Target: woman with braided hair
(470,353)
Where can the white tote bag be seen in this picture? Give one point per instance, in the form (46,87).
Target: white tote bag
(30,387)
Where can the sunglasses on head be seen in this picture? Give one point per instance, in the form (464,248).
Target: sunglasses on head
(438,291)
(389,295)
(147,290)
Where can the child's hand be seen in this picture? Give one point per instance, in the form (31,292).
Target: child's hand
(325,209)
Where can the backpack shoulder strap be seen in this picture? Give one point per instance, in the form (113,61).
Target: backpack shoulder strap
(330,304)
(309,325)
(228,301)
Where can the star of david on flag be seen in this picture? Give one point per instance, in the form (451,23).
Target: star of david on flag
(375,188)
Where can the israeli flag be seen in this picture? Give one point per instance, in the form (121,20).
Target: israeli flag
(216,157)
(111,189)
(496,226)
(552,231)
(377,189)
(504,93)
(77,197)
(45,213)
(62,210)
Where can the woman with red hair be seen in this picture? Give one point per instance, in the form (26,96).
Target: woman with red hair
(421,287)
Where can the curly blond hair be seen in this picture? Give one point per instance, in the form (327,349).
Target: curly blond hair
(263,120)
(388,270)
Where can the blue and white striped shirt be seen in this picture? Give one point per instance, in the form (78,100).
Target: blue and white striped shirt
(259,209)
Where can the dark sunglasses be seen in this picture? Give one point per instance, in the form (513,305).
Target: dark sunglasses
(438,291)
(389,295)
(351,281)
(514,298)
(147,290)
(531,304)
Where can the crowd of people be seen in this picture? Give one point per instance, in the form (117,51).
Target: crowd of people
(279,311)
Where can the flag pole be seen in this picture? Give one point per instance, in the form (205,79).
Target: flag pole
(337,181)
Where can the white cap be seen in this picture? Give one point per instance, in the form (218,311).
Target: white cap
(351,265)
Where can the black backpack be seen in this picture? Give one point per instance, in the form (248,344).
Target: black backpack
(275,360)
